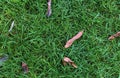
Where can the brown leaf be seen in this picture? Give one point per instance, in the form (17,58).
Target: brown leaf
(114,36)
(69,61)
(69,42)
(24,67)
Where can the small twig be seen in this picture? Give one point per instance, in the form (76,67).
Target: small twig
(49,10)
(11,27)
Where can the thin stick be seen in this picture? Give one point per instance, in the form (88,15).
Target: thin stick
(49,10)
(11,27)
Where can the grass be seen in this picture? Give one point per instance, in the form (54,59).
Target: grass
(39,41)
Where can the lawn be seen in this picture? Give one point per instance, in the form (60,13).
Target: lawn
(39,41)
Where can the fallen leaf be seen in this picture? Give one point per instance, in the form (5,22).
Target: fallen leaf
(69,42)
(114,36)
(49,10)
(24,67)
(69,61)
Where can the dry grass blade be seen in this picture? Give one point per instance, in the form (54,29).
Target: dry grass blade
(69,61)
(77,36)
(114,36)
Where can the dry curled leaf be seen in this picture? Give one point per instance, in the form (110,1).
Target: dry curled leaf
(114,36)
(49,10)
(77,36)
(69,61)
(24,67)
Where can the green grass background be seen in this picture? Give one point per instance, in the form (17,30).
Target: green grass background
(39,41)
